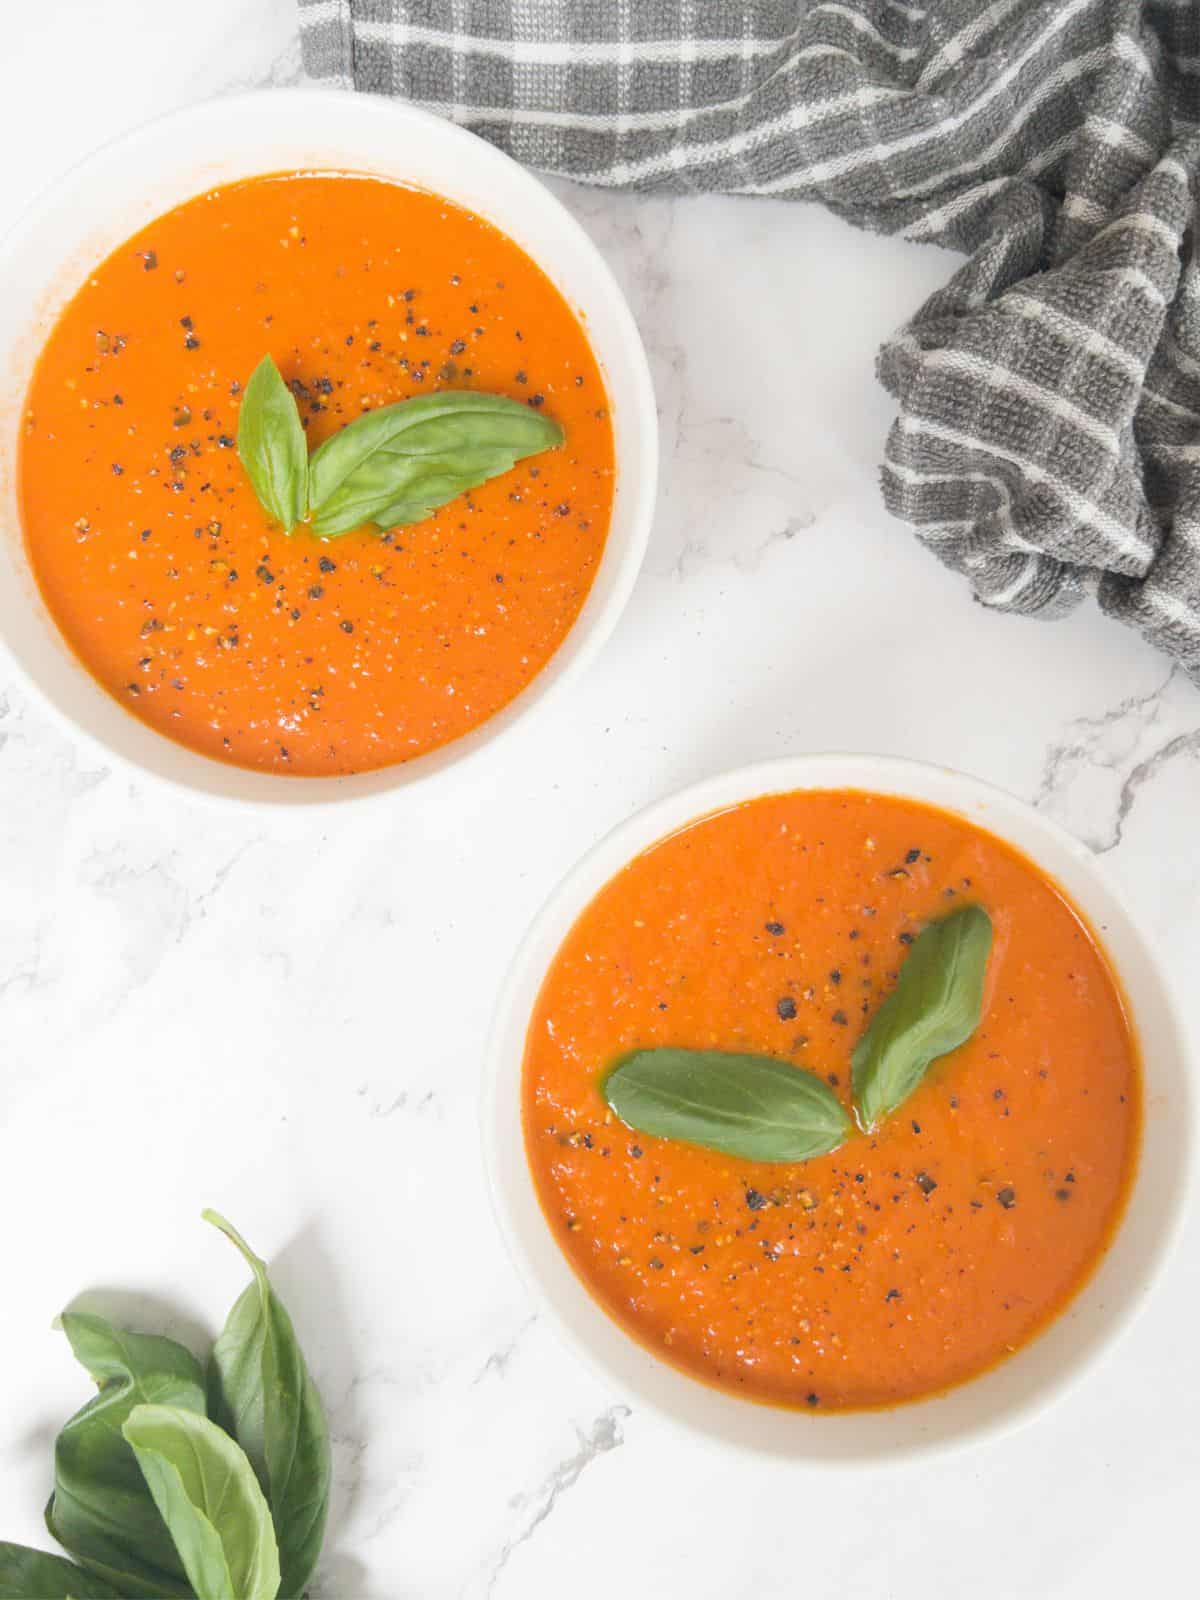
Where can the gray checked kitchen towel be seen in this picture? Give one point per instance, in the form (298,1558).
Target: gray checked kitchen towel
(1048,437)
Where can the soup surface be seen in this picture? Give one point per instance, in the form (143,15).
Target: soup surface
(159,565)
(907,1260)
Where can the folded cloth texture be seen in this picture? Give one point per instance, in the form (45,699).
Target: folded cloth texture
(1047,444)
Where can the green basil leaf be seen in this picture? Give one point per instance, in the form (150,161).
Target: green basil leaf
(208,1496)
(130,1577)
(101,1510)
(271,443)
(934,1008)
(260,1391)
(400,463)
(743,1105)
(27,1574)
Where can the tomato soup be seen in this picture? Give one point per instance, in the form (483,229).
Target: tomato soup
(166,576)
(909,1259)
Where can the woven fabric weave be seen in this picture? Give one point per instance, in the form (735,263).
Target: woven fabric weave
(1048,437)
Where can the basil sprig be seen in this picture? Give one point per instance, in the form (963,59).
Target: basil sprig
(163,1491)
(934,1008)
(388,468)
(743,1105)
(760,1109)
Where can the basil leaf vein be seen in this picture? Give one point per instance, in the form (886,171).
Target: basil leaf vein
(27,1574)
(750,1106)
(207,1494)
(260,1391)
(272,446)
(934,1008)
(400,463)
(101,1510)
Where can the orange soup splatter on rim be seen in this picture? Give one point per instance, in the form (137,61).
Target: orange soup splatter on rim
(909,1259)
(167,578)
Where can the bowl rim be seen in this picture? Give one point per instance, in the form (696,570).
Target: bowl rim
(328,109)
(510,1185)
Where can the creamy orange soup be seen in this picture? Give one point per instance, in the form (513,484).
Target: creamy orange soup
(153,554)
(906,1261)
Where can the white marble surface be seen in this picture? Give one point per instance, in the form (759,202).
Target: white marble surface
(283,1018)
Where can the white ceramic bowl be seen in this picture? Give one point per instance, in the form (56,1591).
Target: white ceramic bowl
(1010,1393)
(87,213)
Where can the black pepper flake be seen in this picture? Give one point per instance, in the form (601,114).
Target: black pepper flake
(537,400)
(696,1249)
(910,856)
(906,938)
(785,1008)
(562,509)
(925,1183)
(755,1200)
(656,1264)
(840,1018)
(916,1127)
(326,565)
(774,929)
(191,342)
(264,574)
(457,347)
(315,592)
(347,626)
(1062,1194)
(835,976)
(812,1399)
(144,535)
(892,1294)
(149,260)
(1007,1198)
(635,1150)
(295,615)
(118,469)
